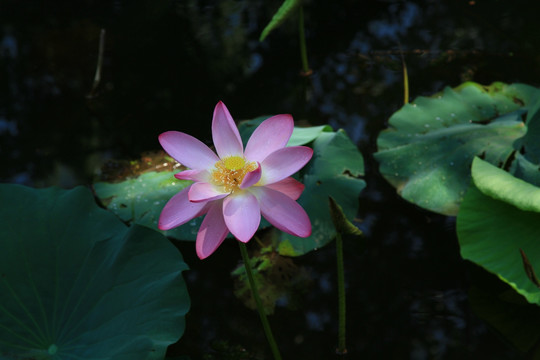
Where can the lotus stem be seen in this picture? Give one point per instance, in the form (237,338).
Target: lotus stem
(303,50)
(260,309)
(342,348)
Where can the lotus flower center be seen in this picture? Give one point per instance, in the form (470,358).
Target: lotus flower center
(230,171)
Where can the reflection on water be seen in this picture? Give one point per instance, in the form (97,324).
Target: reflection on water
(167,63)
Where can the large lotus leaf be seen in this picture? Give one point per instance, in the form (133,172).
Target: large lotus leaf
(428,149)
(334,171)
(76,283)
(498,220)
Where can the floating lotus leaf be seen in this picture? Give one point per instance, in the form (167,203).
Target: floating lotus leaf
(76,283)
(334,171)
(140,200)
(427,151)
(499,216)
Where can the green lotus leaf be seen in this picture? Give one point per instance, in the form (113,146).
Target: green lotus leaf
(300,135)
(525,170)
(529,144)
(334,171)
(515,319)
(500,185)
(76,283)
(491,233)
(428,149)
(141,199)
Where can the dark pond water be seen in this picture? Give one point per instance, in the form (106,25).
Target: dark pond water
(167,63)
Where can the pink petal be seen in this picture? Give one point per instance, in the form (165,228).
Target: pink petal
(225,133)
(187,150)
(251,177)
(204,192)
(283,212)
(179,210)
(284,162)
(242,215)
(288,186)
(271,135)
(194,175)
(212,231)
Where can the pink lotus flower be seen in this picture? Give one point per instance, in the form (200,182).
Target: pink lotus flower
(236,186)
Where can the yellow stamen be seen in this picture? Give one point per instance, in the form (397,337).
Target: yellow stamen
(230,171)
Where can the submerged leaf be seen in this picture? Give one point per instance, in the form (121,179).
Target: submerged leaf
(79,284)
(277,277)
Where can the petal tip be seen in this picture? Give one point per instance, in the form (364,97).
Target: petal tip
(202,256)
(163,226)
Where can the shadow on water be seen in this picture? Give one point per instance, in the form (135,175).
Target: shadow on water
(165,66)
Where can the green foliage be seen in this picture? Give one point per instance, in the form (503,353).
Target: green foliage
(76,283)
(510,315)
(498,217)
(428,149)
(335,171)
(284,12)
(529,144)
(300,135)
(140,200)
(500,185)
